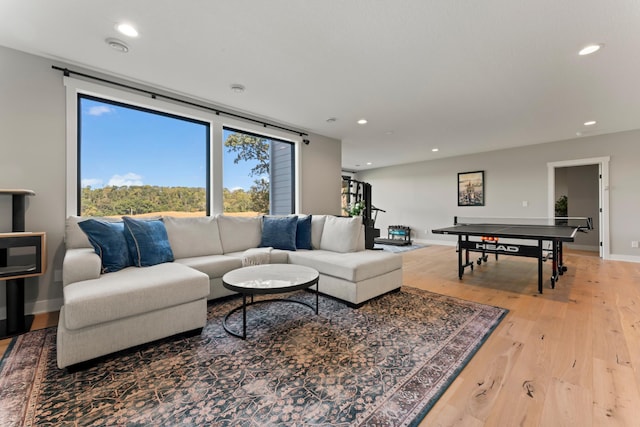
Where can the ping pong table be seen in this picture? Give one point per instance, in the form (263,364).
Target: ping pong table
(548,233)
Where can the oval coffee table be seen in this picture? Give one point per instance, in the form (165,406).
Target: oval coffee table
(267,279)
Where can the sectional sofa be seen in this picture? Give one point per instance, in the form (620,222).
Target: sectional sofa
(171,266)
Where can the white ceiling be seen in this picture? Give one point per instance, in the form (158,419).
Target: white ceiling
(462,76)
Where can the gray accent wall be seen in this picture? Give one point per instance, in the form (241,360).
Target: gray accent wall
(423,195)
(32,156)
(281,168)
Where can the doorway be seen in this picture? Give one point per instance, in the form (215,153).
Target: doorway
(583,186)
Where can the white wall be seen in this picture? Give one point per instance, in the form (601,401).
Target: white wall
(423,195)
(32,156)
(321,181)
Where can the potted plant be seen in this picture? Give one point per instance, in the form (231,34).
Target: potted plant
(355,209)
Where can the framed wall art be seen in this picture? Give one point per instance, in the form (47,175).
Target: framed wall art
(471,188)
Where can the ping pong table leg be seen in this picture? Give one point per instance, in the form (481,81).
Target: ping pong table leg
(460,267)
(554,264)
(466,257)
(561,267)
(540,266)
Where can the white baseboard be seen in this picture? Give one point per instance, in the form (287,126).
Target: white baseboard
(590,248)
(627,258)
(37,307)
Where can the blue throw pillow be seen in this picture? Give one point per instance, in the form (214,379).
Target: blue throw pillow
(303,232)
(148,242)
(279,232)
(109,242)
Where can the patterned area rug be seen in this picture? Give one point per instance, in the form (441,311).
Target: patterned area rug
(383,364)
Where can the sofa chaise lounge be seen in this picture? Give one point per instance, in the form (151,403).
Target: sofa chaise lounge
(104,312)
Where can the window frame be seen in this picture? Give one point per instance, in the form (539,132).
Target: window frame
(293,165)
(75,86)
(81,96)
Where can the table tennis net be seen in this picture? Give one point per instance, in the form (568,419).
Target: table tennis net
(583,223)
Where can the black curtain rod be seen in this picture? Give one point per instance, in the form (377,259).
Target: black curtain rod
(67,72)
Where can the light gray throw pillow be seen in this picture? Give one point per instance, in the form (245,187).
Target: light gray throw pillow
(341,234)
(239,233)
(193,236)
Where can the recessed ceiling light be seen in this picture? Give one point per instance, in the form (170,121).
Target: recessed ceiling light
(592,48)
(369,163)
(435,149)
(389,132)
(590,123)
(237,88)
(362,121)
(331,120)
(118,45)
(127,29)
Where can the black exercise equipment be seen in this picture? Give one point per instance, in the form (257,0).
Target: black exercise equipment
(354,191)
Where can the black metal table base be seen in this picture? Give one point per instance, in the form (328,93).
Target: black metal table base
(244,306)
(557,268)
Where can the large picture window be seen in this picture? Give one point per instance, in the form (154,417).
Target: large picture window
(131,154)
(136,161)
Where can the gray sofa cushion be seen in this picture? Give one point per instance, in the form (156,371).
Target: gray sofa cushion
(317,225)
(131,291)
(239,233)
(214,265)
(193,236)
(341,234)
(80,264)
(278,256)
(74,237)
(354,266)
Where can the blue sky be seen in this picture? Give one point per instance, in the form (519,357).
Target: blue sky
(124,146)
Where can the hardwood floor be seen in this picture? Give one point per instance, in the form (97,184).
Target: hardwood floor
(568,357)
